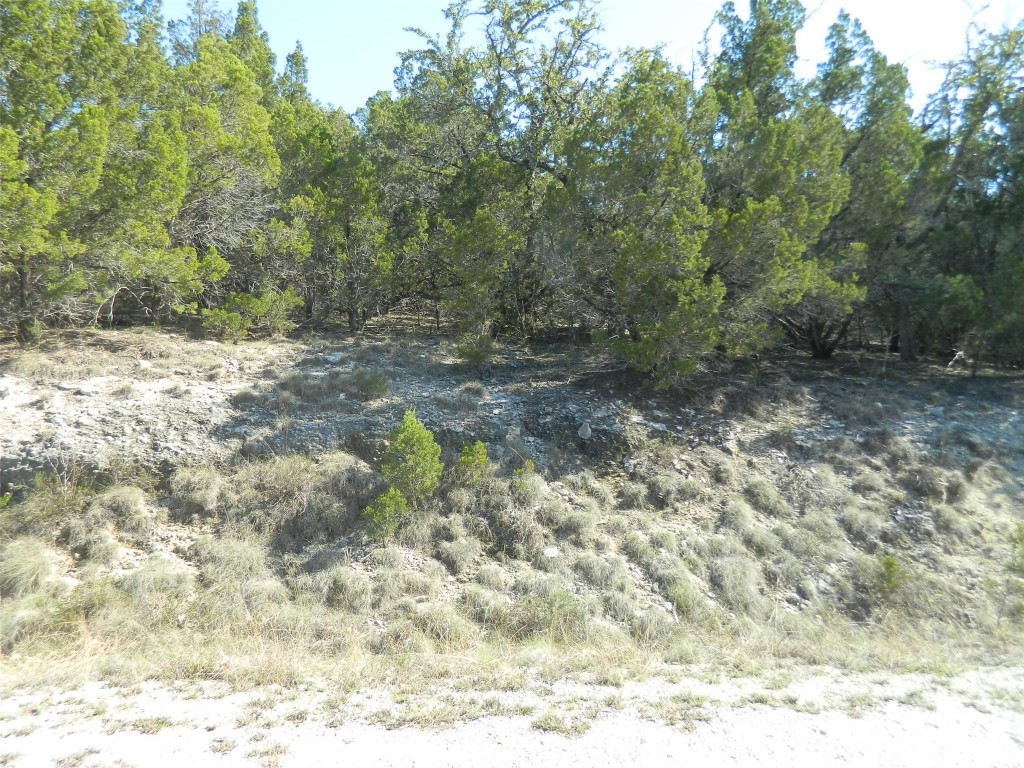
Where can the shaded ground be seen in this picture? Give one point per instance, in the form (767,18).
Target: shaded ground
(161,399)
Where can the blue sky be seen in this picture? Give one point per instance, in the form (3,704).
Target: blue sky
(352,45)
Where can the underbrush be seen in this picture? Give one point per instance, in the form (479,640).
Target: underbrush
(864,555)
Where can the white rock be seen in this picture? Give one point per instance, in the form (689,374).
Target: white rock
(585,431)
(551,552)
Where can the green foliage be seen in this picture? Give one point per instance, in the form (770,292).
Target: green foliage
(527,469)
(242,312)
(892,576)
(1016,561)
(772,165)
(513,185)
(224,324)
(386,513)
(473,463)
(412,461)
(638,223)
(475,350)
(365,383)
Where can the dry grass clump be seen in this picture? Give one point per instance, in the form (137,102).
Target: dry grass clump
(762,542)
(25,566)
(620,606)
(237,582)
(637,547)
(292,498)
(891,449)
(782,436)
(493,577)
(748,398)
(58,363)
(462,501)
(530,582)
(782,570)
(446,628)
(514,531)
(158,577)
(926,481)
(951,522)
(576,524)
(393,586)
(737,515)
(721,467)
(930,482)
(618,525)
(323,390)
(91,536)
(55,497)
(529,488)
(420,531)
(587,483)
(224,559)
(198,490)
(126,506)
(556,616)
(738,580)
(666,489)
(798,541)
(821,523)
(159,590)
(365,383)
(664,540)
(677,584)
(473,389)
(840,452)
(764,497)
(864,524)
(817,486)
(542,608)
(633,495)
(860,413)
(579,524)
(32,624)
(868,482)
(485,606)
(460,554)
(345,589)
(502,511)
(600,572)
(651,627)
(399,638)
(960,436)
(873,582)
(249,396)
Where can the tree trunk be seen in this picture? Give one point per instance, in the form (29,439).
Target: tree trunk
(906,339)
(25,321)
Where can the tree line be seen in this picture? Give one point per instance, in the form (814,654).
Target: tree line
(520,180)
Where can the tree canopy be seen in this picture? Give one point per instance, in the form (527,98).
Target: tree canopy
(519,180)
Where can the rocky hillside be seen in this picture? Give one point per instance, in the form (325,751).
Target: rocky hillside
(211,496)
